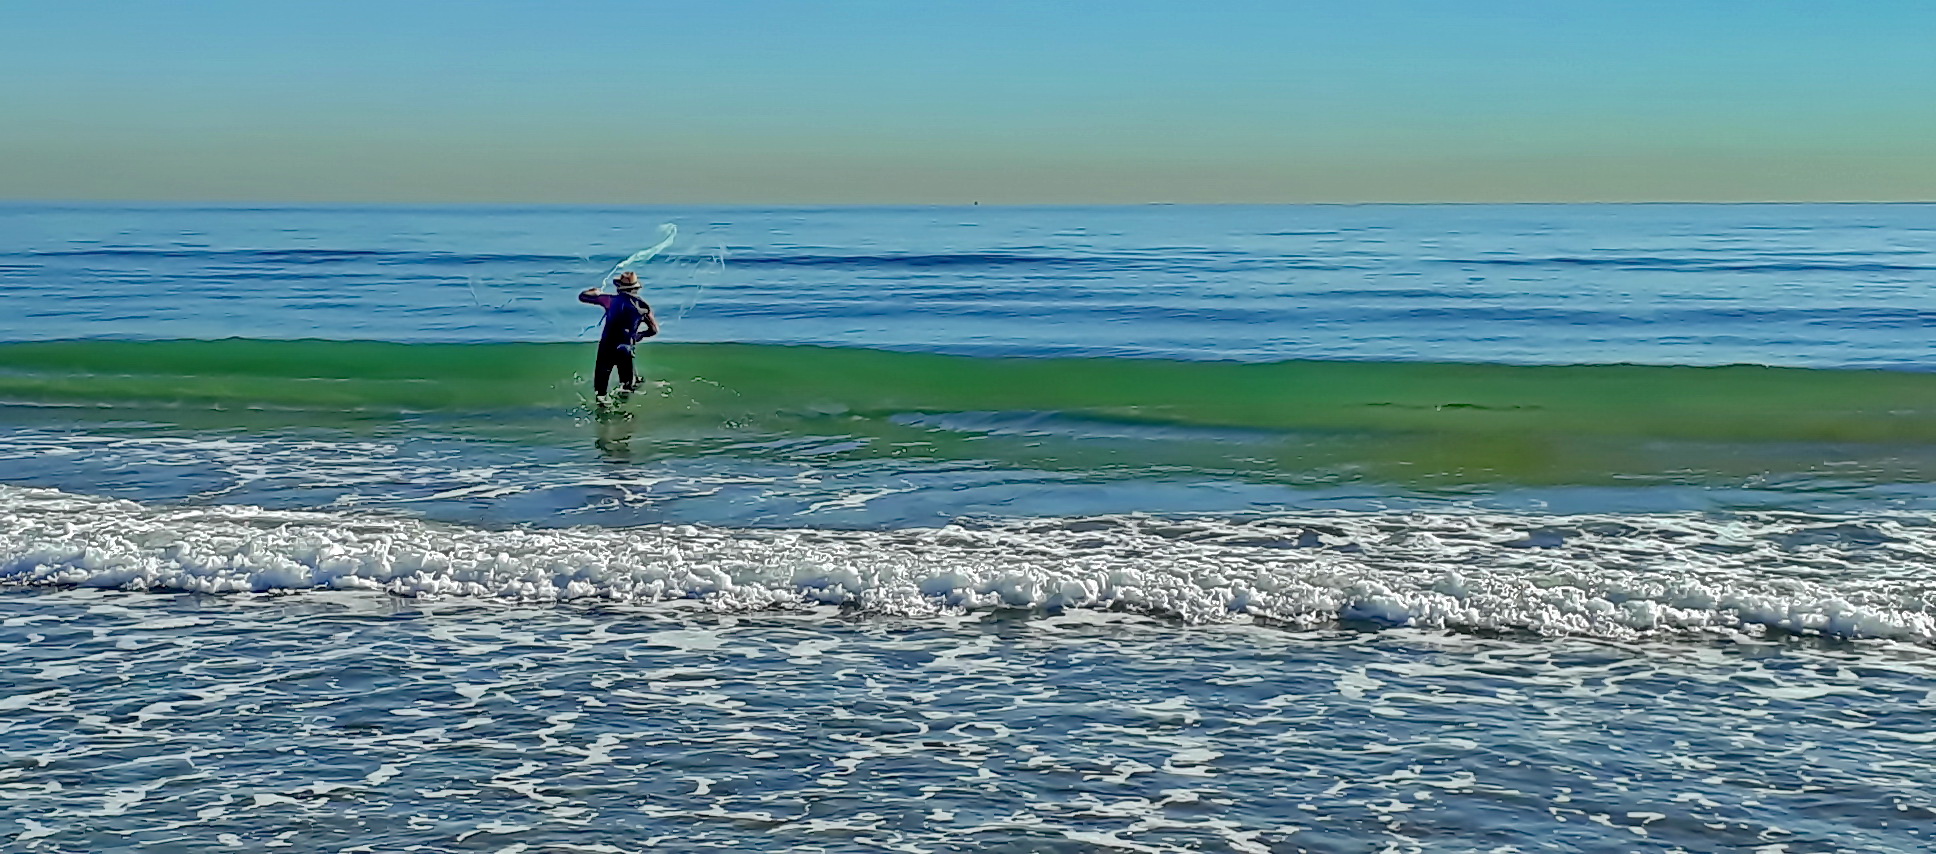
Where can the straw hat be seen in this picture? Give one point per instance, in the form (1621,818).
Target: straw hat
(627,281)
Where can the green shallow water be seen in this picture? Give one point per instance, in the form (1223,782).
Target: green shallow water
(1728,403)
(1415,424)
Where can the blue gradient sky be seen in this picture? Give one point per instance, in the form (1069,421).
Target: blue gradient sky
(761,101)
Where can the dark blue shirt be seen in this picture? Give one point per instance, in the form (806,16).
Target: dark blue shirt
(623,314)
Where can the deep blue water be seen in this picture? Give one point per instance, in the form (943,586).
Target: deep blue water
(1809,285)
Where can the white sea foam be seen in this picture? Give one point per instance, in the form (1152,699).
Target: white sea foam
(1600,576)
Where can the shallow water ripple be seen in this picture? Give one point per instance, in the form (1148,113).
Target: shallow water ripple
(354,721)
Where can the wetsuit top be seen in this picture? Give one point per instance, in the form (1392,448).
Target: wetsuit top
(623,314)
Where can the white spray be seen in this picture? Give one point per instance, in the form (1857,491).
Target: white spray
(668,232)
(691,271)
(689,274)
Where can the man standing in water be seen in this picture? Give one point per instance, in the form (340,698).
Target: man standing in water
(625,312)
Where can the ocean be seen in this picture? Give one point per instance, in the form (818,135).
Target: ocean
(1401,528)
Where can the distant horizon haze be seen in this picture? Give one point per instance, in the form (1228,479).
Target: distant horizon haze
(762,102)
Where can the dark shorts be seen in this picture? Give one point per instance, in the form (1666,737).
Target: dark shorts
(610,355)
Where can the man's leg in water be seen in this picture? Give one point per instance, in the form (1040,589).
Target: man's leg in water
(626,380)
(602,372)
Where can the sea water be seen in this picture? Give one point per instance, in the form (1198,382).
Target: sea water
(1328,528)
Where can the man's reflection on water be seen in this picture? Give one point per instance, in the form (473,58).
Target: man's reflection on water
(612,435)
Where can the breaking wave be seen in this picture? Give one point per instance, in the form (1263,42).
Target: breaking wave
(1606,576)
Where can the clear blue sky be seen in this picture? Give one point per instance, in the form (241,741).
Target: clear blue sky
(1077,101)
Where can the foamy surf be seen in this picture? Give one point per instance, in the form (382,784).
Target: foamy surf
(1605,576)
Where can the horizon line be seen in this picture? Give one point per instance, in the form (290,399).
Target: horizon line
(782,205)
